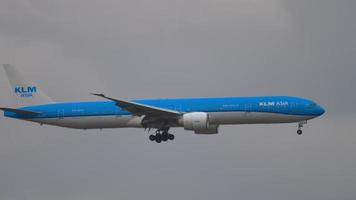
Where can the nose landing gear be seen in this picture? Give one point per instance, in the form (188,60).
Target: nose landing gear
(161,136)
(300,126)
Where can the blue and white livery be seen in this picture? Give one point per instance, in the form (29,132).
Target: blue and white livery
(201,115)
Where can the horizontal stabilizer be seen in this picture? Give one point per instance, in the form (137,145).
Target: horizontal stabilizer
(19,111)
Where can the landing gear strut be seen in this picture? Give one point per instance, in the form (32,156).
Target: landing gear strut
(300,126)
(162,135)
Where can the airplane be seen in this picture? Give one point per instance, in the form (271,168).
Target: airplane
(201,115)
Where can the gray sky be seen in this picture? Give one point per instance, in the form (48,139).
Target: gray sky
(166,48)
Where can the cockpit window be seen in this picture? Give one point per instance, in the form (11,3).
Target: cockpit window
(313,105)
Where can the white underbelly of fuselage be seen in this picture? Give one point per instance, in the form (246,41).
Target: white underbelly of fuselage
(94,122)
(254,118)
(125,121)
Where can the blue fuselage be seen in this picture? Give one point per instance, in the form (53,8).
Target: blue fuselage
(269,104)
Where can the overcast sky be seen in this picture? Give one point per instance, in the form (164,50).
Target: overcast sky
(179,48)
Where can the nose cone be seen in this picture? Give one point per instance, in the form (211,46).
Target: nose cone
(319,111)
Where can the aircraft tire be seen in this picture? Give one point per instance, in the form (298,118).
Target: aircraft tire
(170,136)
(152,138)
(299,132)
(158,138)
(164,137)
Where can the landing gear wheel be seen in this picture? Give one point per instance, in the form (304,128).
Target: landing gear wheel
(299,132)
(170,137)
(158,138)
(164,137)
(152,137)
(161,135)
(300,126)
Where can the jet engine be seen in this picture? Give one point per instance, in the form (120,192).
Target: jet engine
(199,123)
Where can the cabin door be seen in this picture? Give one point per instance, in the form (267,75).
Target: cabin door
(60,114)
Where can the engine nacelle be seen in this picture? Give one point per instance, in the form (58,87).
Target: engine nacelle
(199,123)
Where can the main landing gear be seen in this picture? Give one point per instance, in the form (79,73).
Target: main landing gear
(161,136)
(300,126)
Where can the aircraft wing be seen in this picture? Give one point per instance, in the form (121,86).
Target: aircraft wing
(20,111)
(142,109)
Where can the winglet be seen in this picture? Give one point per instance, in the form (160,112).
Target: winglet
(99,95)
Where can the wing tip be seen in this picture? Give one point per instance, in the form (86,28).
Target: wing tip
(98,94)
